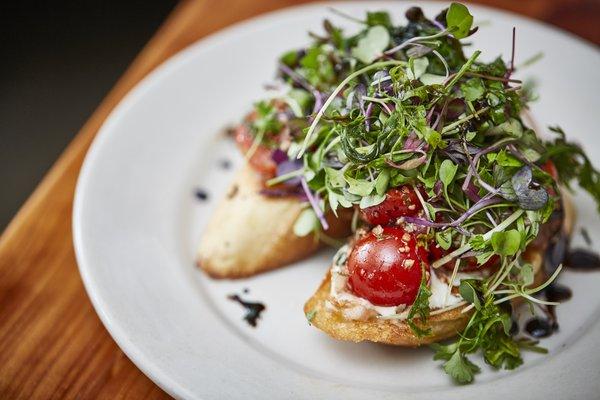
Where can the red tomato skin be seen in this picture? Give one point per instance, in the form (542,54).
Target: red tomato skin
(261,160)
(386,269)
(399,202)
(550,169)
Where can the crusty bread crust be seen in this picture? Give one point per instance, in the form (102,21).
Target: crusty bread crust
(395,332)
(443,326)
(330,321)
(250,233)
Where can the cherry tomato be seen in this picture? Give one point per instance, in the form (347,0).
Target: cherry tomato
(261,159)
(386,268)
(399,202)
(550,169)
(470,264)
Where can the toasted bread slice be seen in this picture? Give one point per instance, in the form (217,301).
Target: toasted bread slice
(250,233)
(385,331)
(443,325)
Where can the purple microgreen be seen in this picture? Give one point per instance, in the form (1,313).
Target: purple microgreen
(295,77)
(418,50)
(477,207)
(455,108)
(492,78)
(489,149)
(512,54)
(314,202)
(413,40)
(530,195)
(337,90)
(487,236)
(279,156)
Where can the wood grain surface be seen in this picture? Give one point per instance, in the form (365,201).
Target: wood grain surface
(52,344)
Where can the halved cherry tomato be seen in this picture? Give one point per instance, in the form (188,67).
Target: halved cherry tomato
(261,159)
(399,202)
(385,268)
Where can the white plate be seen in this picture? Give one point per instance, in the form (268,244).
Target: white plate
(136,224)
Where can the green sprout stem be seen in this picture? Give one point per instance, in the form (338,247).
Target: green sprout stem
(334,94)
(487,236)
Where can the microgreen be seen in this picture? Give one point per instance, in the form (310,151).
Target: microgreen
(420,308)
(488,331)
(402,105)
(459,20)
(372,44)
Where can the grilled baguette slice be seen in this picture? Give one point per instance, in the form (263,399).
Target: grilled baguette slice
(443,325)
(250,233)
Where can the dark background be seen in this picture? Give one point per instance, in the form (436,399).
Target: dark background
(58,60)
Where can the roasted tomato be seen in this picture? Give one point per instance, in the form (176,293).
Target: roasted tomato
(399,202)
(261,159)
(550,169)
(470,264)
(386,268)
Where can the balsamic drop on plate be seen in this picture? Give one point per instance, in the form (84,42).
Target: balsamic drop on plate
(559,293)
(201,194)
(539,327)
(583,260)
(253,310)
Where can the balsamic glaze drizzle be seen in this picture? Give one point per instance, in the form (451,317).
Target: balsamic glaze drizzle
(558,292)
(582,260)
(201,194)
(253,310)
(540,327)
(576,259)
(224,164)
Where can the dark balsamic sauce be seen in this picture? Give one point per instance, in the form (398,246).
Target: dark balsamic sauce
(557,292)
(559,252)
(201,194)
(586,236)
(224,164)
(538,327)
(253,310)
(582,260)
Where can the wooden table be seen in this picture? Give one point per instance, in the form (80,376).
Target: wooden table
(52,344)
